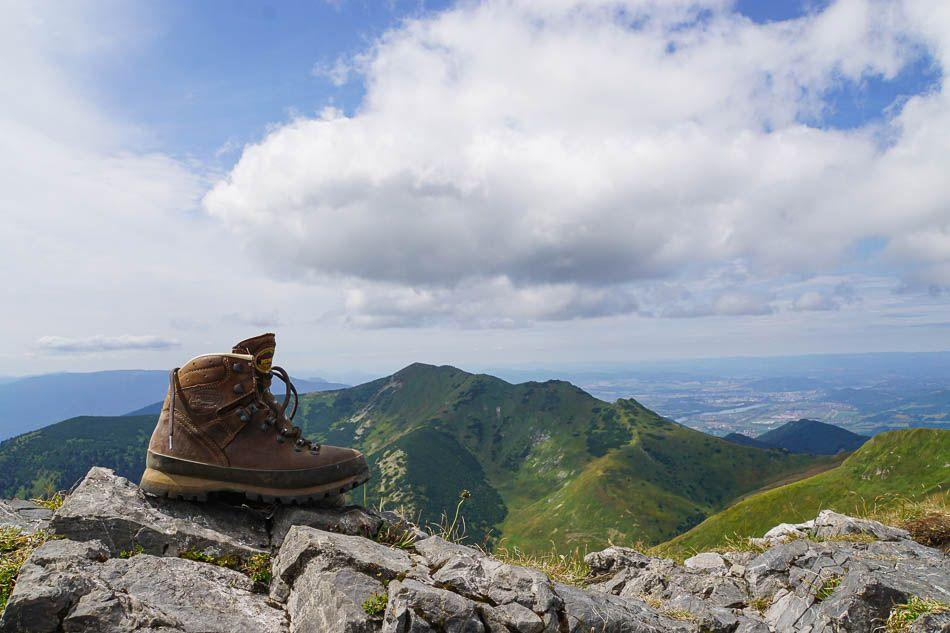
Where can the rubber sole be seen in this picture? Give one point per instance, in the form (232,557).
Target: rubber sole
(188,488)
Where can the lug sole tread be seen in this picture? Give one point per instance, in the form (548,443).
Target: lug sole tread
(186,488)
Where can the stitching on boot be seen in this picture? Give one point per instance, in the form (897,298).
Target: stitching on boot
(198,438)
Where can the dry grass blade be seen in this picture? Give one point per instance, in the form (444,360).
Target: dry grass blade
(569,568)
(904,615)
(15,548)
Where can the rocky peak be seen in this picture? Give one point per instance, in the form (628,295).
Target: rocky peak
(124,561)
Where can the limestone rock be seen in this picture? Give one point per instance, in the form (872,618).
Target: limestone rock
(932,623)
(707,561)
(329,575)
(66,587)
(332,602)
(115,511)
(351,520)
(305,546)
(831,524)
(418,608)
(469,573)
(586,611)
(26,516)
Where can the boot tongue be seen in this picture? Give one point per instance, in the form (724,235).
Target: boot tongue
(261,348)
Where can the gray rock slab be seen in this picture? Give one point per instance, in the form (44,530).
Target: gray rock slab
(932,623)
(418,608)
(351,520)
(66,587)
(831,524)
(586,611)
(485,579)
(306,547)
(25,516)
(707,561)
(521,619)
(51,581)
(332,601)
(115,511)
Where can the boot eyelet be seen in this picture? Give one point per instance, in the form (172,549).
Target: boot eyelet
(264,426)
(239,388)
(238,368)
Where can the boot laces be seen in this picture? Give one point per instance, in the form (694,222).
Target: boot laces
(287,431)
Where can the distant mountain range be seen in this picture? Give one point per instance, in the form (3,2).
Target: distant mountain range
(543,461)
(888,468)
(804,436)
(32,402)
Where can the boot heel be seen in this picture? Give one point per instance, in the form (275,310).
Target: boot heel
(160,484)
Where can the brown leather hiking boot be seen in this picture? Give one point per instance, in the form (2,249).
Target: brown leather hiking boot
(221,430)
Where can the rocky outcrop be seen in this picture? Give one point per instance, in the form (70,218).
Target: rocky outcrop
(835,573)
(25,516)
(129,562)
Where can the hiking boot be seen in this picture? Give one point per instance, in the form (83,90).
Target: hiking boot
(221,430)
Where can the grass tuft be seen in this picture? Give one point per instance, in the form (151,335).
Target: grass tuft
(569,568)
(452,530)
(762,604)
(828,587)
(678,614)
(135,551)
(15,548)
(927,520)
(396,536)
(52,501)
(904,615)
(256,567)
(375,605)
(730,544)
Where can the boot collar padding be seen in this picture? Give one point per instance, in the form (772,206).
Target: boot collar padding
(246,357)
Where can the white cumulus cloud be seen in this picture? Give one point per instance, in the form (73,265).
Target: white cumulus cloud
(91,344)
(593,145)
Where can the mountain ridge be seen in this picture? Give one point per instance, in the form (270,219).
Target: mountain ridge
(532,440)
(889,469)
(804,436)
(543,461)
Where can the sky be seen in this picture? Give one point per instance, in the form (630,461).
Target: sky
(498,183)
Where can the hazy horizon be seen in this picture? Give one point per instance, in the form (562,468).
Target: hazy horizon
(514,372)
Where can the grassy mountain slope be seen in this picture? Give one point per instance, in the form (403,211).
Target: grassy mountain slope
(663,481)
(56,456)
(812,436)
(544,461)
(914,464)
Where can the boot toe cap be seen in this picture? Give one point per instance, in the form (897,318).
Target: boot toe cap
(342,462)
